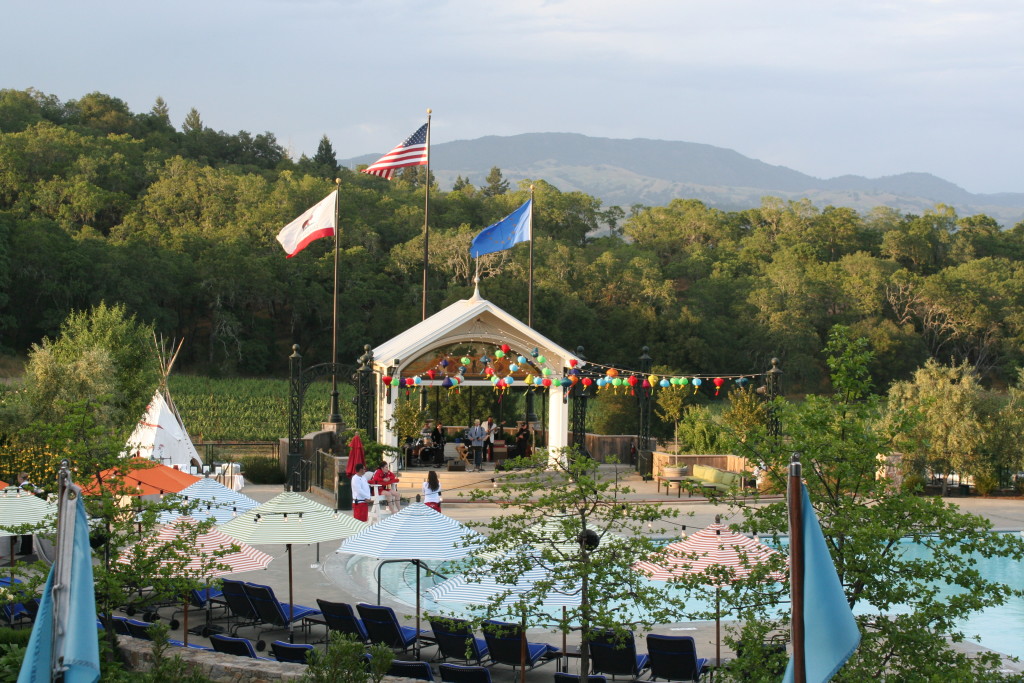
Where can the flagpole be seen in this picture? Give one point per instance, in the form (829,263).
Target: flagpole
(426,220)
(334,417)
(531,414)
(796,569)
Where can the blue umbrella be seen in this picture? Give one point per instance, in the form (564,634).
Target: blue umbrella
(215,500)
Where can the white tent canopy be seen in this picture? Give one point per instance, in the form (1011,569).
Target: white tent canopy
(473,320)
(161,436)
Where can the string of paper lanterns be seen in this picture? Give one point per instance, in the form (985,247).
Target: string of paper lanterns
(500,372)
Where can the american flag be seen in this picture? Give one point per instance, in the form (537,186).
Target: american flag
(412,152)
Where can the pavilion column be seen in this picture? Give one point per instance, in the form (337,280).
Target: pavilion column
(558,421)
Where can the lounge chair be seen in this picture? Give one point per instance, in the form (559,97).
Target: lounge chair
(456,673)
(140,629)
(456,640)
(419,671)
(505,645)
(382,627)
(120,626)
(241,611)
(674,658)
(290,652)
(616,655)
(273,614)
(240,647)
(340,617)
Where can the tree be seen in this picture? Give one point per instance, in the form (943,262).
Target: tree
(325,156)
(496,184)
(193,123)
(865,521)
(102,352)
(161,111)
(564,515)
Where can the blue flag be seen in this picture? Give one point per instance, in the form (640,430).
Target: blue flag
(79,646)
(830,631)
(512,229)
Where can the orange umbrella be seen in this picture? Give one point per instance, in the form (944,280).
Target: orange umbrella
(145,477)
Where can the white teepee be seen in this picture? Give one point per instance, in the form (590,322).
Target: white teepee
(160,435)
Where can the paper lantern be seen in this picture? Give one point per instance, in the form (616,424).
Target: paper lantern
(547,381)
(664,384)
(542,359)
(409,381)
(696,384)
(444,363)
(538,381)
(617,382)
(521,360)
(632,380)
(513,368)
(499,354)
(612,372)
(494,379)
(742,382)
(466,360)
(566,382)
(488,371)
(718,382)
(431,374)
(386,379)
(652,379)
(417,380)
(535,352)
(447,382)
(587,381)
(573,362)
(396,381)
(546,372)
(485,359)
(505,348)
(509,380)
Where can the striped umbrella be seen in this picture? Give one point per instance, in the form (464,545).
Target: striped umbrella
(714,547)
(484,589)
(18,507)
(290,518)
(207,545)
(215,500)
(416,533)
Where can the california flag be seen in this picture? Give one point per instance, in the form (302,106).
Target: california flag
(315,223)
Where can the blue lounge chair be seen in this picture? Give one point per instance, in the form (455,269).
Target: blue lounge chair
(456,640)
(419,671)
(240,609)
(456,673)
(140,629)
(290,652)
(240,647)
(674,658)
(505,645)
(340,617)
(382,627)
(273,614)
(616,655)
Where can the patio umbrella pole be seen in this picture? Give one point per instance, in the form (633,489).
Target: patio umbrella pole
(417,647)
(718,626)
(291,597)
(185,619)
(522,651)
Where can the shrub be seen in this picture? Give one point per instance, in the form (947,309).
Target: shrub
(16,636)
(262,470)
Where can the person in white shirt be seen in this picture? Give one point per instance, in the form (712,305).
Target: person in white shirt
(360,494)
(432,491)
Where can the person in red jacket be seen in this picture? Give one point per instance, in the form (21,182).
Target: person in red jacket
(388,483)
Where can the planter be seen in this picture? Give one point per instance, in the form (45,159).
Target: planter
(674,471)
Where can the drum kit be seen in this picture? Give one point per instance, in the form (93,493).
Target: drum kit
(421,452)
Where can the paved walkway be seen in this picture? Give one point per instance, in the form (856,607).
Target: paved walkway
(321,573)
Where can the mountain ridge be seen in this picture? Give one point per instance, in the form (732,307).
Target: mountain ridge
(653,172)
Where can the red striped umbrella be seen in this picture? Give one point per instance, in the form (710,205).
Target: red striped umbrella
(245,559)
(716,548)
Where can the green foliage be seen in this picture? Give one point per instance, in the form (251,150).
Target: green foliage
(16,636)
(102,204)
(548,502)
(864,520)
(259,469)
(11,657)
(342,661)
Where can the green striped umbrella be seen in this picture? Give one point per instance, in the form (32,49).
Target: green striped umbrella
(19,507)
(290,518)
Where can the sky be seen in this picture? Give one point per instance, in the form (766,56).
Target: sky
(866,87)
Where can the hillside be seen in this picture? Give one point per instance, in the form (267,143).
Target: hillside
(653,172)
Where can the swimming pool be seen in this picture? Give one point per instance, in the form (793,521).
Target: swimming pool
(997,628)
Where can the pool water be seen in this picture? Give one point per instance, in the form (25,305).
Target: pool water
(998,628)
